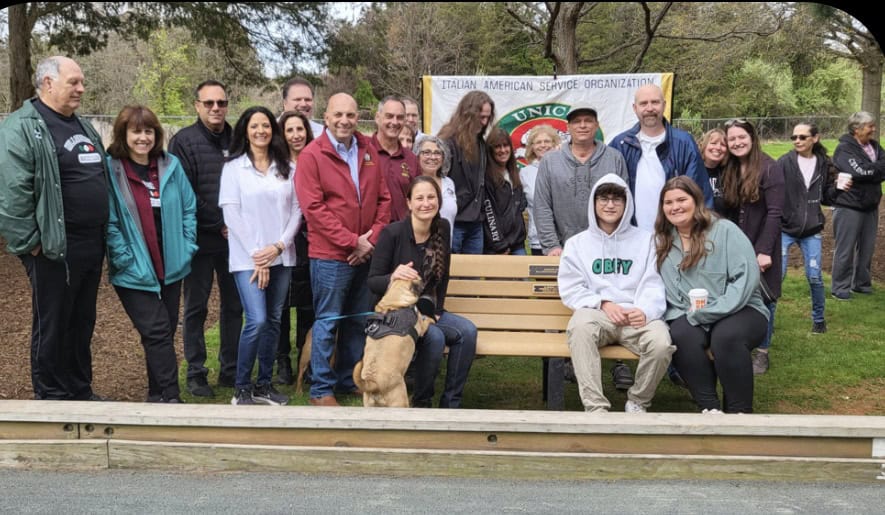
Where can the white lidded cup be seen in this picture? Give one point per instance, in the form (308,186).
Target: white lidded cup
(698,297)
(842,180)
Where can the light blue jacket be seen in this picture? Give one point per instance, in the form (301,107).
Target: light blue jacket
(129,261)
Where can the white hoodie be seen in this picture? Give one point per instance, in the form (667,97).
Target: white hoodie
(618,267)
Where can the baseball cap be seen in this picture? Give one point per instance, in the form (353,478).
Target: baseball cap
(580,108)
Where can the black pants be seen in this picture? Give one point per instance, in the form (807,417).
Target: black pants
(730,340)
(63,298)
(303,321)
(155,317)
(197,287)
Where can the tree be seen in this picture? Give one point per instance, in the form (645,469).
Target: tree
(848,38)
(83,27)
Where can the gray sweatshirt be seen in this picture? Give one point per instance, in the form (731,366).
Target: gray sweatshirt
(562,191)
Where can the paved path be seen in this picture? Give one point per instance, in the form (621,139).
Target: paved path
(160,492)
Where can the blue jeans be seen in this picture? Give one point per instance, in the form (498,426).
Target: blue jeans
(766,343)
(262,309)
(811,255)
(518,252)
(338,289)
(460,335)
(467,238)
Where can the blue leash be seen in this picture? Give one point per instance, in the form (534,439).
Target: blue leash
(340,317)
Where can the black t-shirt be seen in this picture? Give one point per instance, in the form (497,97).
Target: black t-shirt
(84,187)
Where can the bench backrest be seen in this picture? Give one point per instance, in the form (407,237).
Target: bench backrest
(514,302)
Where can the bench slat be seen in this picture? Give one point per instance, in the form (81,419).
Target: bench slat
(517,322)
(464,305)
(550,345)
(493,288)
(467,265)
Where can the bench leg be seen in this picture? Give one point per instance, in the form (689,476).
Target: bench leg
(554,384)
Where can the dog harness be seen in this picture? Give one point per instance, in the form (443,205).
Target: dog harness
(400,322)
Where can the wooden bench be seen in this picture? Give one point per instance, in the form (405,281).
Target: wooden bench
(514,302)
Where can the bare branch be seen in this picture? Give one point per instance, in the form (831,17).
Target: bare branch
(612,52)
(650,28)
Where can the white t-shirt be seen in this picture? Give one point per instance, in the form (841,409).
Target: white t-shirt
(650,179)
(806,166)
(448,209)
(259,210)
(527,175)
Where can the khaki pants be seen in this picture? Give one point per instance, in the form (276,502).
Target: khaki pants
(590,329)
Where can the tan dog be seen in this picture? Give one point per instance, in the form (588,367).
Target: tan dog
(385,360)
(304,361)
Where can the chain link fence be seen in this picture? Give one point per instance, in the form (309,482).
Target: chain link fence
(776,128)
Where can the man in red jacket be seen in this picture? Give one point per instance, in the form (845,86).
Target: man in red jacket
(346,203)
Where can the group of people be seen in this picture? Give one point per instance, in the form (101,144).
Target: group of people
(285,213)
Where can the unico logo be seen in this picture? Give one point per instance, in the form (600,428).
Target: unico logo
(519,122)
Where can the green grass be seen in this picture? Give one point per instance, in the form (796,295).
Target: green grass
(809,373)
(776,149)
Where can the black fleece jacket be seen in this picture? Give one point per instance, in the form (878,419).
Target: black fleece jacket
(866,175)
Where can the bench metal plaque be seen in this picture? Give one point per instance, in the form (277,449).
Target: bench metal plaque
(545,289)
(543,270)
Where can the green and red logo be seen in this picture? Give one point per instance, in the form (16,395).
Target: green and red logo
(520,121)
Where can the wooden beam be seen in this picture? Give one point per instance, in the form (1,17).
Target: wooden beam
(535,466)
(54,454)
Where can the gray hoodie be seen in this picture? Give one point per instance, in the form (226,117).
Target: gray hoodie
(562,191)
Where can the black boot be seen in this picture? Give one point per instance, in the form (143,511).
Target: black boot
(284,372)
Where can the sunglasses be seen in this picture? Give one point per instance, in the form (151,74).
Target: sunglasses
(209,103)
(736,121)
(800,137)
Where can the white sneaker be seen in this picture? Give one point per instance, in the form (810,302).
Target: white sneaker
(712,411)
(632,407)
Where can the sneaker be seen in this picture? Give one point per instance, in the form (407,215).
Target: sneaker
(632,407)
(760,363)
(712,411)
(675,378)
(622,376)
(819,327)
(173,400)
(267,394)
(243,397)
(199,387)
(841,296)
(284,372)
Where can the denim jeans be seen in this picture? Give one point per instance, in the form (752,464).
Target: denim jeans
(811,255)
(467,238)
(262,309)
(338,289)
(460,335)
(518,252)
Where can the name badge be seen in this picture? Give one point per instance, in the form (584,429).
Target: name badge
(89,158)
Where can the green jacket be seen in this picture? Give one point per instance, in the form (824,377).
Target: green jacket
(31,209)
(129,260)
(729,273)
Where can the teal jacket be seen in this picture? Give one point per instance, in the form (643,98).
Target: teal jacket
(129,261)
(31,208)
(729,273)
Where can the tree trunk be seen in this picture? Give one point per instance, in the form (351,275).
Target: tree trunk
(871,95)
(565,30)
(21,73)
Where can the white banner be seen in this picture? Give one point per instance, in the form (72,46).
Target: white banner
(522,102)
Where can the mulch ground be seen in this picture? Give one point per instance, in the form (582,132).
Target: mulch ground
(118,359)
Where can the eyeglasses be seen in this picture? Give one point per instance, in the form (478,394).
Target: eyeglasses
(431,153)
(800,137)
(209,103)
(617,201)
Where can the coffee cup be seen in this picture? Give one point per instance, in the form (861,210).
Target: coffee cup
(842,181)
(698,297)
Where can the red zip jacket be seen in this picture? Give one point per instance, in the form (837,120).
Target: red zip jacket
(335,217)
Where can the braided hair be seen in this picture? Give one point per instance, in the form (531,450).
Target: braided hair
(434,265)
